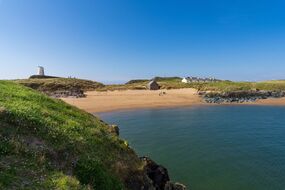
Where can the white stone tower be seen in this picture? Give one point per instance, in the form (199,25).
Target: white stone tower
(41,71)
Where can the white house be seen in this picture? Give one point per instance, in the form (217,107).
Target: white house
(184,80)
(198,79)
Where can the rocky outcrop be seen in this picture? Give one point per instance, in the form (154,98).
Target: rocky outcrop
(240,96)
(157,173)
(74,93)
(159,176)
(114,129)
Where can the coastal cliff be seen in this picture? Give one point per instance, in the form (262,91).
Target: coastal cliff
(48,144)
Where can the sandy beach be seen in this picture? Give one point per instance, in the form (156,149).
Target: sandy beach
(135,99)
(271,102)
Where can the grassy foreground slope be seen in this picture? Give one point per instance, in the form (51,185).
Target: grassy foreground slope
(47,144)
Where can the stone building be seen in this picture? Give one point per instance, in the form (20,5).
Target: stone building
(152,85)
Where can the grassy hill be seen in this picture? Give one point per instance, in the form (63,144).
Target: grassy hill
(167,79)
(48,144)
(222,86)
(140,84)
(57,84)
(137,81)
(228,86)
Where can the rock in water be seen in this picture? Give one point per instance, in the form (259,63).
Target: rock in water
(174,186)
(157,173)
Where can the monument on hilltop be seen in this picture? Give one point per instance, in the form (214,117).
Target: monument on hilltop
(41,71)
(41,74)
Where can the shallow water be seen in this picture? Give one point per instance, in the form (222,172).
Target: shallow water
(211,148)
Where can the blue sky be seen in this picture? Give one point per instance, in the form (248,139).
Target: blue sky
(118,40)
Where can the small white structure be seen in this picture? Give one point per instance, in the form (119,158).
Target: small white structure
(41,71)
(184,80)
(198,79)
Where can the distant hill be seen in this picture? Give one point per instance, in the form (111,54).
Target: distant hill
(222,85)
(158,79)
(49,85)
(165,79)
(137,81)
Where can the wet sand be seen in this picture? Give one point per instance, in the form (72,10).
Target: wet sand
(96,102)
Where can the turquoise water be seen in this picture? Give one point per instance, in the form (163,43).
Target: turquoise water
(211,148)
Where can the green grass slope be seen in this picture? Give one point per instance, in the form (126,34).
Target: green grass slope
(48,144)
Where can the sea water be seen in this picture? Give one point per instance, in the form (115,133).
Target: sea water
(211,148)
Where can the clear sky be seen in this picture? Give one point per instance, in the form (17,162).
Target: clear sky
(117,40)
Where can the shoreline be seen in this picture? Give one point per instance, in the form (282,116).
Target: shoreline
(128,100)
(177,107)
